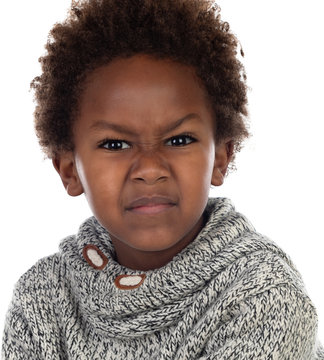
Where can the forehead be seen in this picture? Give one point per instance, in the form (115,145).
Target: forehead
(142,88)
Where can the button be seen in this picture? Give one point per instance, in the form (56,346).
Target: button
(95,257)
(129,282)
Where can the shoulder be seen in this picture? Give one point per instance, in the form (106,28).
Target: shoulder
(40,280)
(33,316)
(239,242)
(262,265)
(236,253)
(36,294)
(251,262)
(268,284)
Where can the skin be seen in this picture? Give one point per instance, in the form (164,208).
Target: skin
(145,157)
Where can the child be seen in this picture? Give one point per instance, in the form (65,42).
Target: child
(141,107)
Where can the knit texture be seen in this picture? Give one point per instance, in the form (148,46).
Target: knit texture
(230,294)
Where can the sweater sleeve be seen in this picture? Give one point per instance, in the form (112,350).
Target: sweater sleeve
(17,342)
(279,323)
(31,330)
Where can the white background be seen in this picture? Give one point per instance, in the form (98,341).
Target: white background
(280,178)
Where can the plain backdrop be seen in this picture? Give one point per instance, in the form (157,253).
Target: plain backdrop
(279,180)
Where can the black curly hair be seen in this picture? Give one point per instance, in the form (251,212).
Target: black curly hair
(97,31)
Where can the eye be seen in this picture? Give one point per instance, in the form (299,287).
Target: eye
(180,140)
(114,144)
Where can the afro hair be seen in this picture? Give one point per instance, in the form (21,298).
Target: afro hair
(95,32)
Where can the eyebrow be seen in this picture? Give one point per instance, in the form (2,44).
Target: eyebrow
(102,124)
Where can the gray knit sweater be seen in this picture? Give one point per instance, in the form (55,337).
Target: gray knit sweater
(230,294)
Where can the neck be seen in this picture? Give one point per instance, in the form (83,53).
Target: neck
(149,260)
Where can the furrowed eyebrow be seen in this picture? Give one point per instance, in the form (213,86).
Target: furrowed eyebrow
(179,122)
(102,124)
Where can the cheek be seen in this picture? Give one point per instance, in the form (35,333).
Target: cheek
(196,173)
(99,182)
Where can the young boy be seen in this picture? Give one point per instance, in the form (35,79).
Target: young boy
(141,106)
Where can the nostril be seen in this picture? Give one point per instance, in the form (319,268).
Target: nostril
(150,168)
(150,178)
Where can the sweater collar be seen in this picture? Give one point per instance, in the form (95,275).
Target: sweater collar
(165,294)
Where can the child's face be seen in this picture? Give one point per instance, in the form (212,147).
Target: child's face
(145,156)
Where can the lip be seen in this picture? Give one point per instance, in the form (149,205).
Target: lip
(150,205)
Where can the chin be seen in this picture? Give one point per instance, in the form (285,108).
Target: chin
(152,248)
(153,244)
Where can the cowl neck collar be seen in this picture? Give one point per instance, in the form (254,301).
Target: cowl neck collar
(166,293)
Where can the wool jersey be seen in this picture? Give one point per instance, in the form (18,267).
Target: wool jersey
(230,294)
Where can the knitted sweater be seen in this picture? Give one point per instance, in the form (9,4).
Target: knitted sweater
(230,294)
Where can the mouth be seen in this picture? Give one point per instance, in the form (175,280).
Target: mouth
(151,205)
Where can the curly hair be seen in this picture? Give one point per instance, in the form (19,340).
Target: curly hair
(95,32)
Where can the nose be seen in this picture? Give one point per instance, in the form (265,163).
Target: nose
(149,167)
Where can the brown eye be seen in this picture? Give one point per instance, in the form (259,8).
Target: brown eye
(180,140)
(114,145)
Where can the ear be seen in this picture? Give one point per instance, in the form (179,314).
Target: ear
(223,155)
(64,164)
